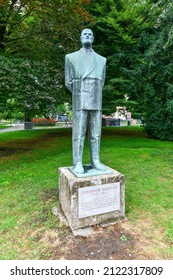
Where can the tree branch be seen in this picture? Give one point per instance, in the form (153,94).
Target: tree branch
(29,12)
(30,35)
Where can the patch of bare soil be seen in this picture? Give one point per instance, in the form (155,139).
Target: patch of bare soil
(8,151)
(122,241)
(13,148)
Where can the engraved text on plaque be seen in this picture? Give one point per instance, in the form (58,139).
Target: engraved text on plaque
(99,199)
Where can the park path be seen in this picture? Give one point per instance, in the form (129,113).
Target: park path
(15,127)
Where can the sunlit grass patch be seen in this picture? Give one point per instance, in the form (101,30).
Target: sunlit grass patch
(29,184)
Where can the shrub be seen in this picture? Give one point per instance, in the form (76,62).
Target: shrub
(159,121)
(43,122)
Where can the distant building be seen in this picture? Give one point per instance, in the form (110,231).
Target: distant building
(121,113)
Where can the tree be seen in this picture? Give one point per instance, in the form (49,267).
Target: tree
(158,91)
(136,37)
(34,37)
(32,86)
(118,28)
(26,23)
(150,75)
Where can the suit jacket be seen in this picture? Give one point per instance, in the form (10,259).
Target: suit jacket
(84,77)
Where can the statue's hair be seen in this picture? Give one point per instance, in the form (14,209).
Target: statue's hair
(86,29)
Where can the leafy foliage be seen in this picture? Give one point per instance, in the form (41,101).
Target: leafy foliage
(158,90)
(25,24)
(118,27)
(136,37)
(32,86)
(34,37)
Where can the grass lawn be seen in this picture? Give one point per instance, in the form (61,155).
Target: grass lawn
(29,181)
(3,126)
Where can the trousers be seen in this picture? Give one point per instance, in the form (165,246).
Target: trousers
(86,121)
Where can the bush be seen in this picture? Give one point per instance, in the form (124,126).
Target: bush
(43,122)
(159,121)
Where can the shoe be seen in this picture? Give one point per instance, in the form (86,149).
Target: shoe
(78,168)
(98,165)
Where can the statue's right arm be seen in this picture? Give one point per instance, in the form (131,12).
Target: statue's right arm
(68,74)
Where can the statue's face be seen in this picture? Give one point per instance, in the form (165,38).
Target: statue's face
(87,37)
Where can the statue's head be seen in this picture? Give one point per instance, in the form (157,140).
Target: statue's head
(87,37)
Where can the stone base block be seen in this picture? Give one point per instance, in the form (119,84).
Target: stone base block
(91,200)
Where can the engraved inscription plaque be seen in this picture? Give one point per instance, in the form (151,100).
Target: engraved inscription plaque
(99,199)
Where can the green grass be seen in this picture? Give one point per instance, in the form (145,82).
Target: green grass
(29,182)
(4,126)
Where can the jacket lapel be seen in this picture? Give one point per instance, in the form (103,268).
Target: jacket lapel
(89,64)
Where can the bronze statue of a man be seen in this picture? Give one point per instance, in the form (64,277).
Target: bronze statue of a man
(84,77)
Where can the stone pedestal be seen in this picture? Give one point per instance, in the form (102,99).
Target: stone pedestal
(91,200)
